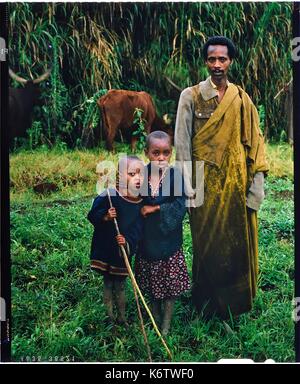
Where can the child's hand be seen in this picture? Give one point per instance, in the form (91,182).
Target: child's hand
(121,240)
(191,204)
(111,214)
(148,209)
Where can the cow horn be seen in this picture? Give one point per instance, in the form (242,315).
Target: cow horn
(173,84)
(167,119)
(43,77)
(14,76)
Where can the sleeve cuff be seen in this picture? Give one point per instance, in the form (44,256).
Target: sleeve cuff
(252,203)
(256,192)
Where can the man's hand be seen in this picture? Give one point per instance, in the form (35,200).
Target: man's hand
(148,209)
(121,240)
(111,214)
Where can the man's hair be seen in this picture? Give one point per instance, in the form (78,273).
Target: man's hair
(220,40)
(161,135)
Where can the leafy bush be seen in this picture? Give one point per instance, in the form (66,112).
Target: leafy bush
(102,47)
(139,122)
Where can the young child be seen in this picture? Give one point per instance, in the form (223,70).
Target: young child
(106,256)
(160,267)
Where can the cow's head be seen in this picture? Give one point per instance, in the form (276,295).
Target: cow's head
(21,103)
(32,84)
(21,80)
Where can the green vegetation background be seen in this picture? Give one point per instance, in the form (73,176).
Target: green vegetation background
(92,47)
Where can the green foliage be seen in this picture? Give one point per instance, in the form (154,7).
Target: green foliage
(55,111)
(139,122)
(91,118)
(262,117)
(280,158)
(87,117)
(106,49)
(34,134)
(283,137)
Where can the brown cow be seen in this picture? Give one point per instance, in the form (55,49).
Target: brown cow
(118,107)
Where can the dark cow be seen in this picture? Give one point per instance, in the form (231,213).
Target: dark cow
(21,103)
(118,107)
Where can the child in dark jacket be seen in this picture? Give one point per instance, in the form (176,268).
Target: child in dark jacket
(160,267)
(106,256)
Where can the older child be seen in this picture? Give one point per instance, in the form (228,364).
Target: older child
(160,265)
(105,256)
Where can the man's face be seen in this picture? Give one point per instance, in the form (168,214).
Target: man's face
(218,61)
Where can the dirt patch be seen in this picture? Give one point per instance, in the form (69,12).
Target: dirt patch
(45,188)
(284,195)
(267,286)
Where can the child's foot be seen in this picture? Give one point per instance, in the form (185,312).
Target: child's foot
(109,320)
(165,331)
(123,322)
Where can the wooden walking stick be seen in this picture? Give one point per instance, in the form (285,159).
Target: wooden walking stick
(137,289)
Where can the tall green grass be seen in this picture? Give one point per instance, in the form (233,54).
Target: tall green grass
(133,46)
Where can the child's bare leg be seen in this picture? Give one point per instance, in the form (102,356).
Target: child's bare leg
(108,296)
(156,310)
(120,297)
(167,315)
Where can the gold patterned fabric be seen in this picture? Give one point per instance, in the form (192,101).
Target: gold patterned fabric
(227,138)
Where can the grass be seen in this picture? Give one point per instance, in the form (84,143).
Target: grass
(280,159)
(57,306)
(73,171)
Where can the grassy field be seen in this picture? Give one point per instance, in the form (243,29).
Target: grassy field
(57,309)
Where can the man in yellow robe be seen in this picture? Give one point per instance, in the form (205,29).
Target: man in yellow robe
(217,123)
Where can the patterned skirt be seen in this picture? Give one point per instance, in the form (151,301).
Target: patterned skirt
(163,279)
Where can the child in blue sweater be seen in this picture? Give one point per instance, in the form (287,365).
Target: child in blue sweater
(106,257)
